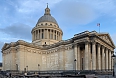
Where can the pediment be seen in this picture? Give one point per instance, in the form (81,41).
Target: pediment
(6,45)
(106,38)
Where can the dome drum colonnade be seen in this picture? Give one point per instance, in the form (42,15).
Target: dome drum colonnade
(48,33)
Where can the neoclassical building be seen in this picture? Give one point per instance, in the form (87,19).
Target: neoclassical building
(85,51)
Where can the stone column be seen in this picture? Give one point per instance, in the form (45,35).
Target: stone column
(53,33)
(40,33)
(75,55)
(86,56)
(89,57)
(78,57)
(56,35)
(103,62)
(35,35)
(112,60)
(50,34)
(99,58)
(47,34)
(94,55)
(106,58)
(109,59)
(44,34)
(60,36)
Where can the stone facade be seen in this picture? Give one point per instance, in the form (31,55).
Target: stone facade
(85,51)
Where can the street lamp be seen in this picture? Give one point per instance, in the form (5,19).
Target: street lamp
(75,65)
(27,68)
(16,67)
(113,56)
(38,68)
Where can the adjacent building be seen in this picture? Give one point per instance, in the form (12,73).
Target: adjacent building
(85,51)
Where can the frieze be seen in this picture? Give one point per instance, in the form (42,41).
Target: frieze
(82,40)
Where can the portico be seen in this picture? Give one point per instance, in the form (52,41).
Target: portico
(93,55)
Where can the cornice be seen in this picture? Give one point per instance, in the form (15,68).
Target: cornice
(78,38)
(47,27)
(98,39)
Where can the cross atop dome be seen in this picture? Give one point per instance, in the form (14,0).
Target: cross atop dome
(47,5)
(47,11)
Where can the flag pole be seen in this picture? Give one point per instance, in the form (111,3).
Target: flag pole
(98,24)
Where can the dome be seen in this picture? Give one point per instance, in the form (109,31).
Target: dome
(47,18)
(46,31)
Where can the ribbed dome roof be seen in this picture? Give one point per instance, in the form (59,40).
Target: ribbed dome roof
(47,18)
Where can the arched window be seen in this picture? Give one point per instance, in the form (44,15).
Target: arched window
(46,24)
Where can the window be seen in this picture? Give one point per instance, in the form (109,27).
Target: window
(46,24)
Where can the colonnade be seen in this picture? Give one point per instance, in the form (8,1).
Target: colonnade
(95,57)
(47,34)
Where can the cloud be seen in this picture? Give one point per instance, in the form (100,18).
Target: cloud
(29,6)
(85,11)
(20,31)
(103,7)
(76,12)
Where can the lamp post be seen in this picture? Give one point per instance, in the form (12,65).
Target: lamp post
(16,67)
(27,68)
(38,68)
(113,56)
(75,65)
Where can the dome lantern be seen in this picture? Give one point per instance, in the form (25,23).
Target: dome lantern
(47,11)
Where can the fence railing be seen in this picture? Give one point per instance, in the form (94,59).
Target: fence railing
(105,71)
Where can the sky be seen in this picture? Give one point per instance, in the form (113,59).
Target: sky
(18,17)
